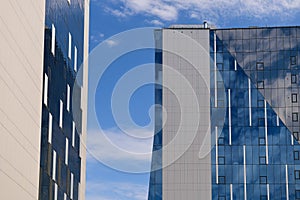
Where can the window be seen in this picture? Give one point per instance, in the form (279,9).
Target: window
(260,84)
(297,174)
(75,58)
(73,134)
(55,191)
(262,141)
(262,160)
(296,155)
(260,66)
(221,160)
(71,186)
(60,113)
(294,117)
(53,40)
(263,180)
(68,97)
(263,197)
(260,103)
(54,165)
(222,198)
(296,135)
(67,152)
(221,103)
(221,180)
(220,66)
(261,122)
(70,46)
(46,90)
(297,194)
(294,78)
(293,60)
(294,98)
(50,120)
(221,141)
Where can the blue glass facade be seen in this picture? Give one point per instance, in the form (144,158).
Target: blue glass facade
(256,150)
(256,156)
(60,139)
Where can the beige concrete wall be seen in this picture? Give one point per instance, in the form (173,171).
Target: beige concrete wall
(84,101)
(186,99)
(21,64)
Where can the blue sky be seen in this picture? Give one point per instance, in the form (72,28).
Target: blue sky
(108,18)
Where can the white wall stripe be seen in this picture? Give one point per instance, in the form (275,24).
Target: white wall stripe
(266,133)
(215,70)
(67,152)
(268,191)
(60,113)
(46,90)
(50,128)
(71,186)
(231,194)
(292,139)
(250,103)
(70,46)
(54,165)
(217,154)
(68,97)
(287,182)
(235,65)
(75,58)
(53,40)
(277,120)
(229,113)
(245,173)
(55,191)
(73,134)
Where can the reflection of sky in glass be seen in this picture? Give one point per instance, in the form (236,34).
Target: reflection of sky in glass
(264,56)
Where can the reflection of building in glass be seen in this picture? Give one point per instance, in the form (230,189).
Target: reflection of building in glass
(250,107)
(43,112)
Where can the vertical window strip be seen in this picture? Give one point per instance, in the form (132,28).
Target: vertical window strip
(250,103)
(231,193)
(217,162)
(266,133)
(68,97)
(53,40)
(287,182)
(50,128)
(268,191)
(55,191)
(235,65)
(70,46)
(54,165)
(46,90)
(75,58)
(67,152)
(60,114)
(71,186)
(229,113)
(73,134)
(215,69)
(245,173)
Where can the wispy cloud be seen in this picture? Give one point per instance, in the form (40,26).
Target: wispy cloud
(155,22)
(119,150)
(111,43)
(168,10)
(116,191)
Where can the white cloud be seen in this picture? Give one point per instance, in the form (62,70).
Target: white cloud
(119,150)
(167,10)
(155,22)
(111,43)
(116,191)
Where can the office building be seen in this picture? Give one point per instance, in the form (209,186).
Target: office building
(43,105)
(228,122)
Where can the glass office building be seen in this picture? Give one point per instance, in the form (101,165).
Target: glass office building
(44,108)
(241,87)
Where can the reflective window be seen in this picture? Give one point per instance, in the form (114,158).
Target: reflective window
(294,98)
(293,60)
(221,180)
(260,84)
(262,141)
(295,117)
(221,160)
(297,174)
(296,155)
(263,180)
(294,78)
(260,66)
